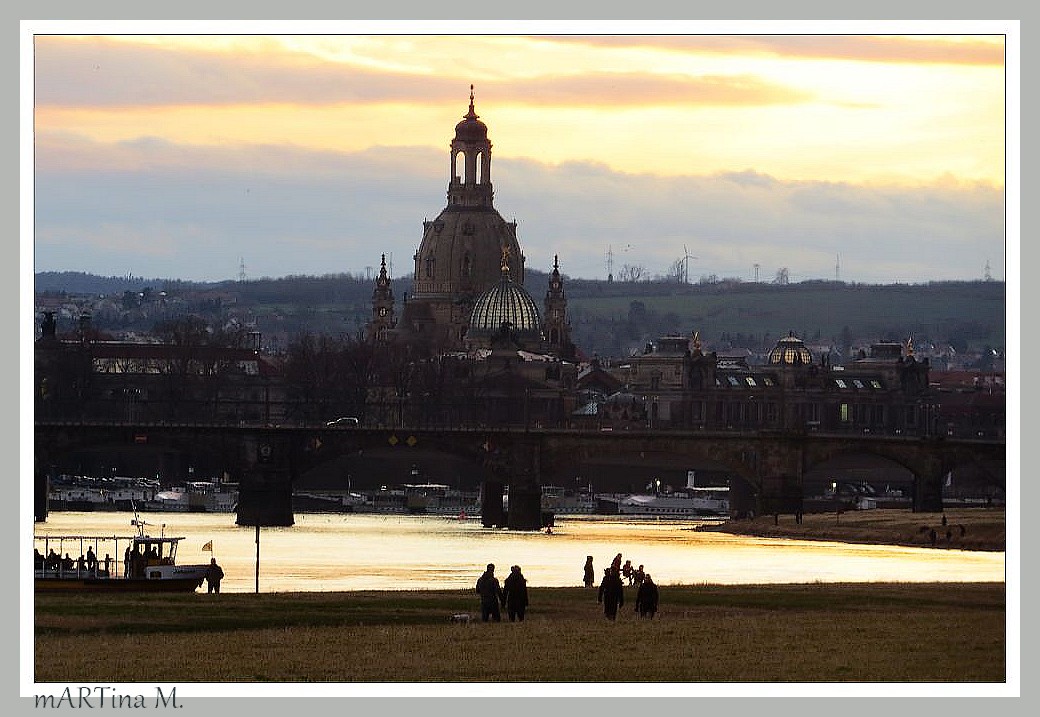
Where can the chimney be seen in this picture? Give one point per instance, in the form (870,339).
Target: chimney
(49,326)
(84,326)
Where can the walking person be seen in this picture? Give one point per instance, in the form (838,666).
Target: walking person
(647,597)
(611,592)
(490,595)
(590,573)
(214,574)
(515,590)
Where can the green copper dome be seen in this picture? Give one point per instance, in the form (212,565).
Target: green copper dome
(505,304)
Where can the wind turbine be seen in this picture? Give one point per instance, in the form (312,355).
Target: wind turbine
(686,264)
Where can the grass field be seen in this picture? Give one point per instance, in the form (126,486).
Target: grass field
(945,633)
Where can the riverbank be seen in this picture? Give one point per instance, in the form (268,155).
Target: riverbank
(813,633)
(964,529)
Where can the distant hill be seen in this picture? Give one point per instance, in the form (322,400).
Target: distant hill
(608,318)
(77,282)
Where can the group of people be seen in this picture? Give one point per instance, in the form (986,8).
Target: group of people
(136,560)
(612,587)
(511,594)
(53,561)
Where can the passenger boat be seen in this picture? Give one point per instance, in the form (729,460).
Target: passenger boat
(137,563)
(688,503)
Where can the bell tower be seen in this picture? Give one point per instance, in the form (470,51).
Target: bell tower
(557,329)
(383,318)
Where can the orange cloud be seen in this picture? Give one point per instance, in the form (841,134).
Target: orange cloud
(837,47)
(95,72)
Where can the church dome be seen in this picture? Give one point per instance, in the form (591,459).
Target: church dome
(790,351)
(505,305)
(471,129)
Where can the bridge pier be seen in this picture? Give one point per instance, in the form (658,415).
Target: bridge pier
(265,488)
(525,507)
(41,492)
(491,513)
(519,463)
(928,490)
(781,494)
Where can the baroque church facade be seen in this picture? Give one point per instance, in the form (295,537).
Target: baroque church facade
(469,269)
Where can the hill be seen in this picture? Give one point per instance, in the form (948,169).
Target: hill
(607,318)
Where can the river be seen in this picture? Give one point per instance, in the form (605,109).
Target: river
(329,552)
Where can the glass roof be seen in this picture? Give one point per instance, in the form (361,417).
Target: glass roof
(505,302)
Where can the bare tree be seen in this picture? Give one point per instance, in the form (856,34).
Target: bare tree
(632,272)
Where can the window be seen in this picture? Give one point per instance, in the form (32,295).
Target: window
(843,413)
(733,381)
(875,384)
(841,384)
(812,412)
(768,381)
(751,381)
(857,383)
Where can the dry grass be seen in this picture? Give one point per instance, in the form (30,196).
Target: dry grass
(983,528)
(771,633)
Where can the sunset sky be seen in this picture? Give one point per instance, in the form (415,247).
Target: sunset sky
(874,158)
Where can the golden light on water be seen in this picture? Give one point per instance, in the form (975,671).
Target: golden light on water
(389,552)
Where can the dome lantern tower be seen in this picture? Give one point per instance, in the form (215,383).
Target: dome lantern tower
(470,184)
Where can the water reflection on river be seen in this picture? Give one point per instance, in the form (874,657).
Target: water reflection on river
(368,551)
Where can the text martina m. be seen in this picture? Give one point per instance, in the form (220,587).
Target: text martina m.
(108,698)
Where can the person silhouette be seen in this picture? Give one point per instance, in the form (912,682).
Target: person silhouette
(590,573)
(647,597)
(611,593)
(214,574)
(490,595)
(515,590)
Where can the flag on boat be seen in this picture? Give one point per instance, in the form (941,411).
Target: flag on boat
(208,546)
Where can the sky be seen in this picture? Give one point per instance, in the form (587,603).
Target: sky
(865,158)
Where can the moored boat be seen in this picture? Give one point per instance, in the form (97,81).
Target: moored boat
(146,564)
(687,503)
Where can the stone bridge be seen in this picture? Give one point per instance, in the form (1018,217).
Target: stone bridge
(770,465)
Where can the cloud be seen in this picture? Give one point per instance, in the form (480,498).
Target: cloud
(861,48)
(102,73)
(160,209)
